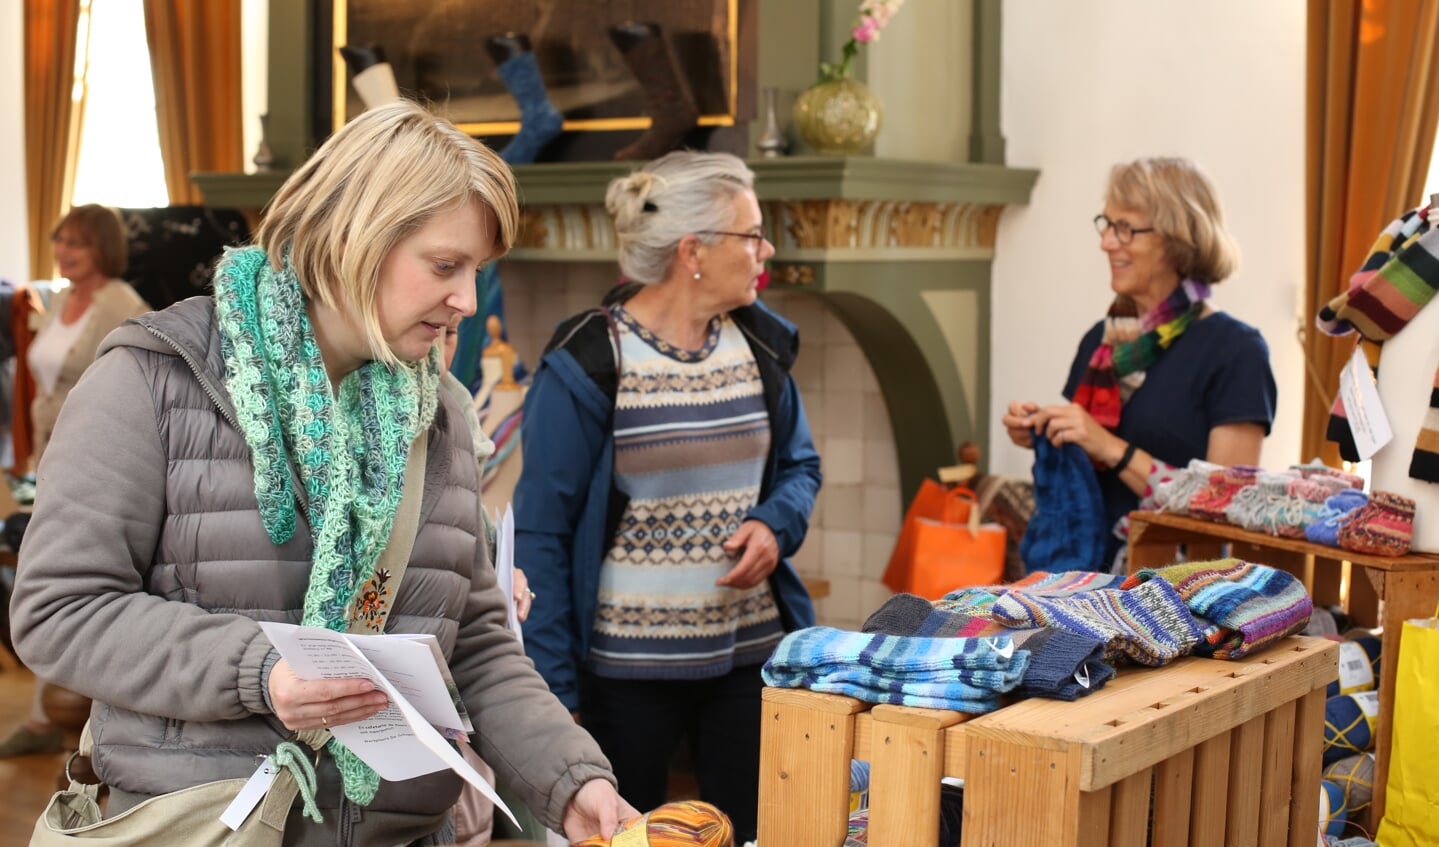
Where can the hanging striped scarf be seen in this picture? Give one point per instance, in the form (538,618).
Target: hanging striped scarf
(349,446)
(1131,345)
(1396,281)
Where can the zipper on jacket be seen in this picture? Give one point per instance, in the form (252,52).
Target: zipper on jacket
(199,376)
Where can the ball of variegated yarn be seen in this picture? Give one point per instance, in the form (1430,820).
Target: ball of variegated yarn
(687,823)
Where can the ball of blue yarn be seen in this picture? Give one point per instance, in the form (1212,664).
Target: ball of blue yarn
(1332,812)
(1348,729)
(1365,650)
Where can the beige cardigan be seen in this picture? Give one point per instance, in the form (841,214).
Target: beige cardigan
(114,303)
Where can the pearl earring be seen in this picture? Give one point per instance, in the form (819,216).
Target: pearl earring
(697,274)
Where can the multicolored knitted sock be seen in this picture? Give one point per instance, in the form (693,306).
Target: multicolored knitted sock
(1385,527)
(962,674)
(1173,496)
(1061,666)
(1149,624)
(1337,510)
(1246,605)
(1398,279)
(1210,501)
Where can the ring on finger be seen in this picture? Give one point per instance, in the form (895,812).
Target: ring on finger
(531,593)
(325,721)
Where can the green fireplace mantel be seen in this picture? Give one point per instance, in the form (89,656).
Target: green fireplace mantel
(900,251)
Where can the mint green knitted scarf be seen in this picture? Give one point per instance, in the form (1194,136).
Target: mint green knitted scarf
(350,451)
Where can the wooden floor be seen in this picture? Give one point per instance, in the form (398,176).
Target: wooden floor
(26,782)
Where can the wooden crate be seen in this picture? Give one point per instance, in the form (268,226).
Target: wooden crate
(1202,752)
(1373,590)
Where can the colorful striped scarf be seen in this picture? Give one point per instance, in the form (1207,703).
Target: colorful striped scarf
(1397,279)
(1131,345)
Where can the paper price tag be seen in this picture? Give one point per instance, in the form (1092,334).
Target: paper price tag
(1367,420)
(250,795)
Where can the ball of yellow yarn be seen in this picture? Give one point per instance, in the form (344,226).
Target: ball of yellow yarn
(689,823)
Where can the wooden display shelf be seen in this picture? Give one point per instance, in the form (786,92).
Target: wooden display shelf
(1201,752)
(1389,592)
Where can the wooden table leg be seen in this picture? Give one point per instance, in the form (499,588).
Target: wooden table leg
(806,743)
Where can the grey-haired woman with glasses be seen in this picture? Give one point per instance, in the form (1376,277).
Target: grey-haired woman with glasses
(668,473)
(1165,378)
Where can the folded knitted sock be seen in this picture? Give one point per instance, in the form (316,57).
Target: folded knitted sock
(1173,496)
(1312,492)
(1246,605)
(1384,527)
(1337,510)
(907,614)
(962,674)
(1150,624)
(1268,507)
(901,614)
(1062,665)
(1210,501)
(1354,481)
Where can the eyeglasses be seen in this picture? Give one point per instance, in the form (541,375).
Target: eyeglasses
(1122,229)
(756,237)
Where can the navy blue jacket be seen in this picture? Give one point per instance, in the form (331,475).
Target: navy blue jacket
(567,507)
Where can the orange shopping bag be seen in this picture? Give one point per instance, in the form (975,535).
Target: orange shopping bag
(946,549)
(928,502)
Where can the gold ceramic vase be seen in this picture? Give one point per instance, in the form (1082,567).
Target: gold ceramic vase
(838,117)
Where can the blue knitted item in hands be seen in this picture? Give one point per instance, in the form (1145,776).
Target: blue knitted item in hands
(960,674)
(540,121)
(1068,530)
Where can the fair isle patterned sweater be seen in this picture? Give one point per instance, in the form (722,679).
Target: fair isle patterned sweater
(691,436)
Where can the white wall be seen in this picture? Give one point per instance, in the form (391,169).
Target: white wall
(1087,83)
(14,230)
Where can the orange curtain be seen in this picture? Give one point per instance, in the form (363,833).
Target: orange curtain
(52,121)
(195,58)
(1372,104)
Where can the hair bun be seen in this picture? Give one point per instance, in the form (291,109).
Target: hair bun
(627,195)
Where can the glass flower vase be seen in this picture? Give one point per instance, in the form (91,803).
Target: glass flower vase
(838,117)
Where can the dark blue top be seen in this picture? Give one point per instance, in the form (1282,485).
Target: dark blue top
(1216,373)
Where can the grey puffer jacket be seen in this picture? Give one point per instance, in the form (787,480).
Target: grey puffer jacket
(145,568)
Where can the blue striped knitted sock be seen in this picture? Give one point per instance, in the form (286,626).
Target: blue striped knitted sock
(963,674)
(540,122)
(1150,624)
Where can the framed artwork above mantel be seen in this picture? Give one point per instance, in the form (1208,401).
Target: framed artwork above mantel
(437,51)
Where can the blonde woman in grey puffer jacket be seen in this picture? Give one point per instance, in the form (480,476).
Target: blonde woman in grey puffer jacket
(237,458)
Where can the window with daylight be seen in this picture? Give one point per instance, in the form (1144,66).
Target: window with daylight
(119,149)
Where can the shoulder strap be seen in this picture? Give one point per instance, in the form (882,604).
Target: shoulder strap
(396,556)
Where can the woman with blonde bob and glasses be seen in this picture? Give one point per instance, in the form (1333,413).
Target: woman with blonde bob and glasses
(1165,378)
(242,458)
(668,473)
